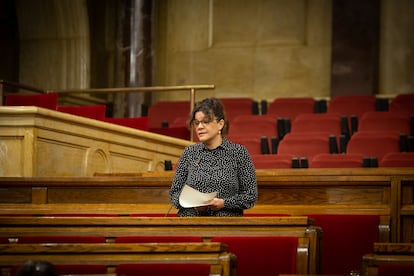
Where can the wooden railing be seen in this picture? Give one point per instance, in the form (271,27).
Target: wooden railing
(189,88)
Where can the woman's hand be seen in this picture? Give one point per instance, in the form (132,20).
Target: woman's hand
(216,204)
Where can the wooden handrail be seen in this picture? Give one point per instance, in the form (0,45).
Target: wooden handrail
(133,89)
(4,83)
(192,89)
(22,86)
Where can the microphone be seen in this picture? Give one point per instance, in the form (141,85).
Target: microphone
(168,212)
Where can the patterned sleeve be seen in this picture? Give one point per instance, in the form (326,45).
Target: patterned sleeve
(248,194)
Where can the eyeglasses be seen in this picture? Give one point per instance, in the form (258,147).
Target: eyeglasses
(203,123)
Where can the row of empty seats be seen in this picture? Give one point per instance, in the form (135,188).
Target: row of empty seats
(165,113)
(344,115)
(327,160)
(333,123)
(313,140)
(364,149)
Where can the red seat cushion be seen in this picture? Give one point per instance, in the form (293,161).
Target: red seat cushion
(395,269)
(141,239)
(262,255)
(160,269)
(61,239)
(4,240)
(96,112)
(136,122)
(71,269)
(346,238)
(81,269)
(41,100)
(177,132)
(153,215)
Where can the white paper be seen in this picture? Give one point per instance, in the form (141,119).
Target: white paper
(190,197)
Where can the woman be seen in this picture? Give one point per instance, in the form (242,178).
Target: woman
(215,164)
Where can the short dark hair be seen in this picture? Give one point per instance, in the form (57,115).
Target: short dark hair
(37,268)
(211,107)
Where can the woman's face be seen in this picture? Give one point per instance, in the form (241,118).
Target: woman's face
(207,131)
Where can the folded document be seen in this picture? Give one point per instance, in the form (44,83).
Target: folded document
(191,197)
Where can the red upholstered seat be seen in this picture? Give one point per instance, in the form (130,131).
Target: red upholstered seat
(41,100)
(179,122)
(96,112)
(317,122)
(403,102)
(61,239)
(237,106)
(346,238)
(305,145)
(272,161)
(4,240)
(328,160)
(161,269)
(395,270)
(385,121)
(397,159)
(81,215)
(143,239)
(166,111)
(250,140)
(265,215)
(291,107)
(374,143)
(177,132)
(72,269)
(80,269)
(136,122)
(264,255)
(349,105)
(154,214)
(262,125)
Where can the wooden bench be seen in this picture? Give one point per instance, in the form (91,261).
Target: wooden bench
(378,191)
(386,193)
(308,236)
(393,258)
(112,254)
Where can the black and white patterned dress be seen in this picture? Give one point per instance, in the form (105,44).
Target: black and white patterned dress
(227,169)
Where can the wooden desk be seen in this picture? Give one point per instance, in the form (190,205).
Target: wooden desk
(110,254)
(394,248)
(379,191)
(387,253)
(309,237)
